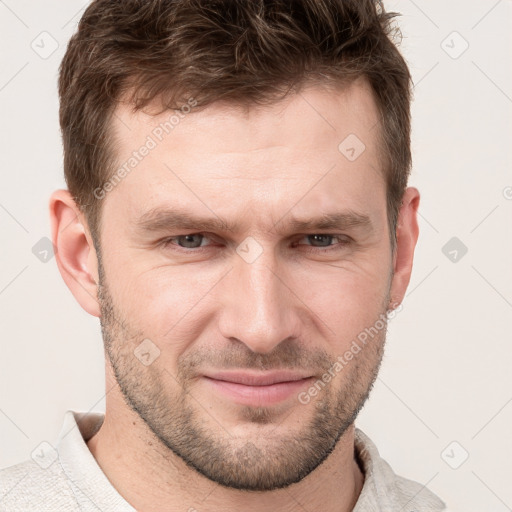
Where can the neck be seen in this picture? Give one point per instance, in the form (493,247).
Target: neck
(151,477)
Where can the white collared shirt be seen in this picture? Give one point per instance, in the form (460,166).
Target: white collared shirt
(66,477)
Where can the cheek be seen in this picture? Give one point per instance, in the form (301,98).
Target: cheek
(174,304)
(347,299)
(170,304)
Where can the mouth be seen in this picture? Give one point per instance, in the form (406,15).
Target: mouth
(258,388)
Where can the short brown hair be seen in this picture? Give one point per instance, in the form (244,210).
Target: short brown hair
(244,51)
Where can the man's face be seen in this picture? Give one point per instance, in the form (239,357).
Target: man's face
(264,296)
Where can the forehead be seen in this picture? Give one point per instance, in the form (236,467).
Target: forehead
(309,151)
(320,110)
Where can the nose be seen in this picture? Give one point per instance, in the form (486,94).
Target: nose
(259,307)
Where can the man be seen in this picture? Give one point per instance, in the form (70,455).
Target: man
(238,218)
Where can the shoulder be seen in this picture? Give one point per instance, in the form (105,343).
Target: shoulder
(384,490)
(27,487)
(416,496)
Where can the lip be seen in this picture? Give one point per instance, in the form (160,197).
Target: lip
(257,378)
(257,388)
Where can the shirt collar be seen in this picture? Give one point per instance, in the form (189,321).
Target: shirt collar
(90,482)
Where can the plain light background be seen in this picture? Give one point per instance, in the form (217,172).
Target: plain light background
(444,390)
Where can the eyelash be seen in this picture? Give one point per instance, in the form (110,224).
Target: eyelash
(344,241)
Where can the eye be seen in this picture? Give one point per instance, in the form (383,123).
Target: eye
(318,242)
(324,241)
(188,241)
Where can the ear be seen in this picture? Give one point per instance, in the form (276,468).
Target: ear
(407,232)
(76,256)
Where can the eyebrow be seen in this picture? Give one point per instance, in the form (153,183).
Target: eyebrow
(164,219)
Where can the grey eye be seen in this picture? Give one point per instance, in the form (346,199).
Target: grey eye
(323,240)
(189,242)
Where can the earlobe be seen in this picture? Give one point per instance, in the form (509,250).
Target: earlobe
(407,232)
(76,256)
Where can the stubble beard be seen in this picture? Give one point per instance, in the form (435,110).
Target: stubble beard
(177,417)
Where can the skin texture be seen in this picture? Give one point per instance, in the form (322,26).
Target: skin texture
(170,440)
